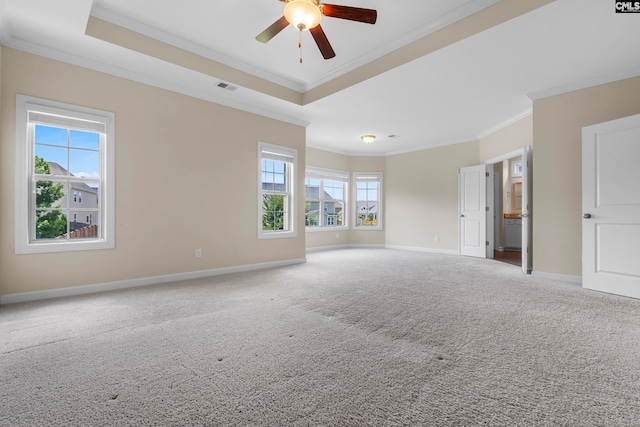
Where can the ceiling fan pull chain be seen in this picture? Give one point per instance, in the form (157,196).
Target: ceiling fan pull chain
(300,44)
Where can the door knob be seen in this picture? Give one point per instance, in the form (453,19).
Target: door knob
(461,216)
(586,216)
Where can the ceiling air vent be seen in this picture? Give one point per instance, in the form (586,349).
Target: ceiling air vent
(226,86)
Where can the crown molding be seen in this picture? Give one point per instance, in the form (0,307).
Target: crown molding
(416,34)
(431,27)
(170,85)
(344,152)
(163,36)
(434,145)
(584,84)
(505,124)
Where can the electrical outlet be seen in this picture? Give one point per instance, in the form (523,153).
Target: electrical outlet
(337,235)
(436,239)
(198,253)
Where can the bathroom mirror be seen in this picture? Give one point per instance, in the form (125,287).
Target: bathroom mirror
(516,196)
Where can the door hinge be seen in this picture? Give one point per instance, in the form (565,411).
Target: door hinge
(487,243)
(487,174)
(487,208)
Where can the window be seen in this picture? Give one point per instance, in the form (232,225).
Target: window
(63,151)
(368,200)
(276,205)
(325,198)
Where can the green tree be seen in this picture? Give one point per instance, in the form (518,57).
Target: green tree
(49,224)
(273,212)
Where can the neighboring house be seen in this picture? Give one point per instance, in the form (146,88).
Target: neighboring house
(83,200)
(367,213)
(332,210)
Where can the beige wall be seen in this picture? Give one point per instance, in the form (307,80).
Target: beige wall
(341,162)
(557,180)
(510,138)
(422,196)
(420,189)
(186,178)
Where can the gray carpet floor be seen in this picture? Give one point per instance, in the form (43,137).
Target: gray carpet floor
(357,337)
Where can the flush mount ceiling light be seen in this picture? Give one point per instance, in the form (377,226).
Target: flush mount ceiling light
(368,139)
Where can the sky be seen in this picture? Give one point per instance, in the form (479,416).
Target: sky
(76,151)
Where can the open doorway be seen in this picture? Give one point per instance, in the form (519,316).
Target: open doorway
(508,210)
(511,208)
(480,220)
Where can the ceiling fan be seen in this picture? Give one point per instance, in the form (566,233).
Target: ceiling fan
(306,15)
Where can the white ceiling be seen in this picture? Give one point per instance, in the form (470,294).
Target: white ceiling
(455,94)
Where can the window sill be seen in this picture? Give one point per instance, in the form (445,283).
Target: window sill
(320,229)
(53,247)
(277,235)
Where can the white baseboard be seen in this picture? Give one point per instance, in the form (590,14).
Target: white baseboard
(133,283)
(371,246)
(559,277)
(337,247)
(420,249)
(326,248)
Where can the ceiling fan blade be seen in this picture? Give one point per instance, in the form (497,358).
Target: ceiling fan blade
(368,16)
(323,43)
(273,30)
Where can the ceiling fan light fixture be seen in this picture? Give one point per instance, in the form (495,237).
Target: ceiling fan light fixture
(303,14)
(368,139)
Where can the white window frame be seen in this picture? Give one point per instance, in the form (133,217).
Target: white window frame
(331,175)
(290,155)
(362,177)
(25,243)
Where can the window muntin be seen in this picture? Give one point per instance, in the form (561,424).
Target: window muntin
(368,200)
(58,151)
(325,198)
(276,191)
(63,153)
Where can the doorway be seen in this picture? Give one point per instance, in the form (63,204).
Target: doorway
(512,208)
(507,210)
(476,208)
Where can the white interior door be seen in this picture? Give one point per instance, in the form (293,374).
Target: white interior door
(526,210)
(611,207)
(473,211)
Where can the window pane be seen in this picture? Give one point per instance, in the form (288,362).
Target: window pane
(367,214)
(333,214)
(51,135)
(274,209)
(51,160)
(83,224)
(370,220)
(86,140)
(312,188)
(84,195)
(85,163)
(334,189)
(362,195)
(50,224)
(50,194)
(312,214)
